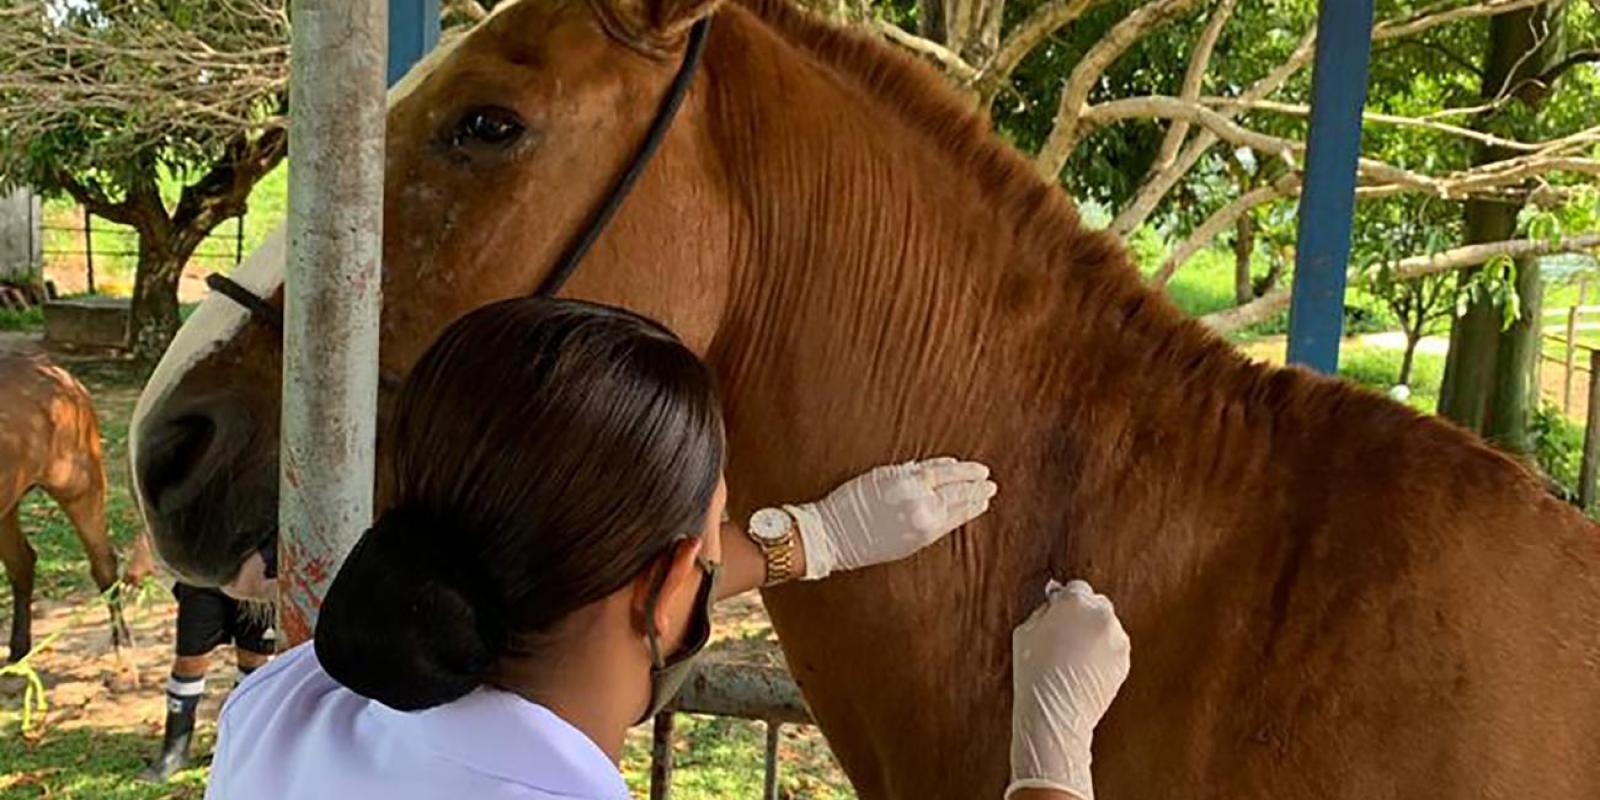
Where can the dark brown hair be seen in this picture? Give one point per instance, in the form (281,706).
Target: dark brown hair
(544,452)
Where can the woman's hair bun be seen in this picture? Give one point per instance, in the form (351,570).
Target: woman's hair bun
(399,625)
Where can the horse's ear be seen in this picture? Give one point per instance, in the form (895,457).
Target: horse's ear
(656,26)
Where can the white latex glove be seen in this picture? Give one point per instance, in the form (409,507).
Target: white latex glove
(890,513)
(1068,661)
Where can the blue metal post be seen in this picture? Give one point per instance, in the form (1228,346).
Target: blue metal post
(1327,206)
(413,31)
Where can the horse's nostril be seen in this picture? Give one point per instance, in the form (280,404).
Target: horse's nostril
(180,455)
(176,451)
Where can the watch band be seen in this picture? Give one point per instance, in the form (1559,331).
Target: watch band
(779,553)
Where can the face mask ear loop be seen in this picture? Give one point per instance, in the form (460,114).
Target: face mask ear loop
(651,635)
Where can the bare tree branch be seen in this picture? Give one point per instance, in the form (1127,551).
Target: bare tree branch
(1232,104)
(94,200)
(954,65)
(1221,220)
(1274,302)
(1287,150)
(1193,81)
(1075,94)
(1160,183)
(1029,34)
(1434,47)
(162,81)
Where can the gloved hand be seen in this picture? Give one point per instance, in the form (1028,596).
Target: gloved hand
(890,513)
(1068,661)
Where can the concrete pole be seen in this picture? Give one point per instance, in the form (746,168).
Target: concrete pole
(331,296)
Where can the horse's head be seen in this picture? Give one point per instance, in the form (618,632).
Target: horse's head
(500,147)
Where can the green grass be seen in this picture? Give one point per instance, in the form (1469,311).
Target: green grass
(717,757)
(114,271)
(1379,368)
(29,319)
(85,764)
(1205,285)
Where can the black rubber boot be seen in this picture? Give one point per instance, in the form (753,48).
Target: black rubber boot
(180,730)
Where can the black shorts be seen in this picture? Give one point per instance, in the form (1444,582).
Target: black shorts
(207,619)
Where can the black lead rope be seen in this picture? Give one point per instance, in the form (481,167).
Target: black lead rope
(652,141)
(264,312)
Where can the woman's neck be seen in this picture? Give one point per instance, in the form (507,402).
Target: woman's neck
(587,683)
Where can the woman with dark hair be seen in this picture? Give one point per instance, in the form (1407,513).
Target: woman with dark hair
(544,573)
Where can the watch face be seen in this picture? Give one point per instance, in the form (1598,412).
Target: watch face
(770,524)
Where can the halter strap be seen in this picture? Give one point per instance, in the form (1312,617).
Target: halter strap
(252,302)
(676,92)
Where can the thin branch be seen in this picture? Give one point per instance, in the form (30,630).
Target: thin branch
(1449,55)
(1274,302)
(1160,183)
(226,69)
(953,64)
(1554,73)
(94,200)
(1086,73)
(1194,81)
(1428,18)
(1287,150)
(1588,134)
(1033,31)
(1221,220)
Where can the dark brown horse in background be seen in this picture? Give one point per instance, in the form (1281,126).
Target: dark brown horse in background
(50,440)
(1329,595)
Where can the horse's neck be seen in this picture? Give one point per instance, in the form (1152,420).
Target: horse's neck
(895,303)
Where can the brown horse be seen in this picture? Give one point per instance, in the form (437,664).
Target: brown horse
(50,439)
(1329,595)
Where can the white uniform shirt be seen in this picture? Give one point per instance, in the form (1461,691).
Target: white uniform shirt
(291,732)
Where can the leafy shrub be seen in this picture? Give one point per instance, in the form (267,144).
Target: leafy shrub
(1557,448)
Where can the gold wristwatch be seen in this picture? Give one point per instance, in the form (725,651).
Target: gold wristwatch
(776,533)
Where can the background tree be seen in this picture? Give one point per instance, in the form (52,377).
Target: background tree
(1389,231)
(106,101)
(1488,376)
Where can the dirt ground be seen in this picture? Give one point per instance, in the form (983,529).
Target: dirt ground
(112,690)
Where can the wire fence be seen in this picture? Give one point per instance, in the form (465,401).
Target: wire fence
(110,241)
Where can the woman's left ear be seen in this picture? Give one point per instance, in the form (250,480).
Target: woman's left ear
(654,26)
(682,575)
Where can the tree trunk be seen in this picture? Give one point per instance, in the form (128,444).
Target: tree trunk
(1244,246)
(1514,391)
(154,318)
(1467,394)
(1413,338)
(1488,371)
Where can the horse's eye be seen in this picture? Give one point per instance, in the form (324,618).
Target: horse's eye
(491,126)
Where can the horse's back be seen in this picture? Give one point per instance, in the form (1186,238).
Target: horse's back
(49,435)
(1432,630)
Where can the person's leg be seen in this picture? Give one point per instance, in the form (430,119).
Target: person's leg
(254,640)
(202,625)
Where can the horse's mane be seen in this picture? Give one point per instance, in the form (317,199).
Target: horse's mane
(1047,220)
(923,98)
